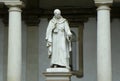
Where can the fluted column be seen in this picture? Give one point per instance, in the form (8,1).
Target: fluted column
(104,67)
(14,42)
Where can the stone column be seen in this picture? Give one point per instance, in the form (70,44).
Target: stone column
(104,67)
(14,42)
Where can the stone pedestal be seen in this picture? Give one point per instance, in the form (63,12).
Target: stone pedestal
(58,76)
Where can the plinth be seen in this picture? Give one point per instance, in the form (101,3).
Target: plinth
(56,75)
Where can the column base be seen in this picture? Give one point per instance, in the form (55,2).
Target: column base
(57,76)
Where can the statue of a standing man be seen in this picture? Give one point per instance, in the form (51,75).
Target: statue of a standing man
(58,37)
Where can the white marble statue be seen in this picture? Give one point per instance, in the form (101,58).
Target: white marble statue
(58,37)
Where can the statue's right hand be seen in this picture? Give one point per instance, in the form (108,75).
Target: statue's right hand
(49,53)
(49,56)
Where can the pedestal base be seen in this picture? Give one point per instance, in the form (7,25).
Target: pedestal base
(58,76)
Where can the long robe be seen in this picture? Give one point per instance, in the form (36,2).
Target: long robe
(58,42)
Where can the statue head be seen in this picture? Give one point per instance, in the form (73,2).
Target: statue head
(57,13)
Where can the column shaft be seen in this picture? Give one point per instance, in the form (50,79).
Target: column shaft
(14,44)
(103,44)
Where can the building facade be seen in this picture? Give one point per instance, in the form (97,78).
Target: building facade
(95,23)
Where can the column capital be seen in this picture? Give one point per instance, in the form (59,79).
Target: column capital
(103,7)
(103,2)
(14,4)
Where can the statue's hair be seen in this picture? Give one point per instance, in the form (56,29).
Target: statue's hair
(57,11)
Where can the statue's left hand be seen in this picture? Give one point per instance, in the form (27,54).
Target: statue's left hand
(69,37)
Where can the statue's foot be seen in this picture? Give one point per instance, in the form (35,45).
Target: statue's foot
(61,66)
(54,66)
(57,66)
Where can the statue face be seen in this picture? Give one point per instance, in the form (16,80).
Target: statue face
(57,13)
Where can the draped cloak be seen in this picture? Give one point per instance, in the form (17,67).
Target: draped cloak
(58,42)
